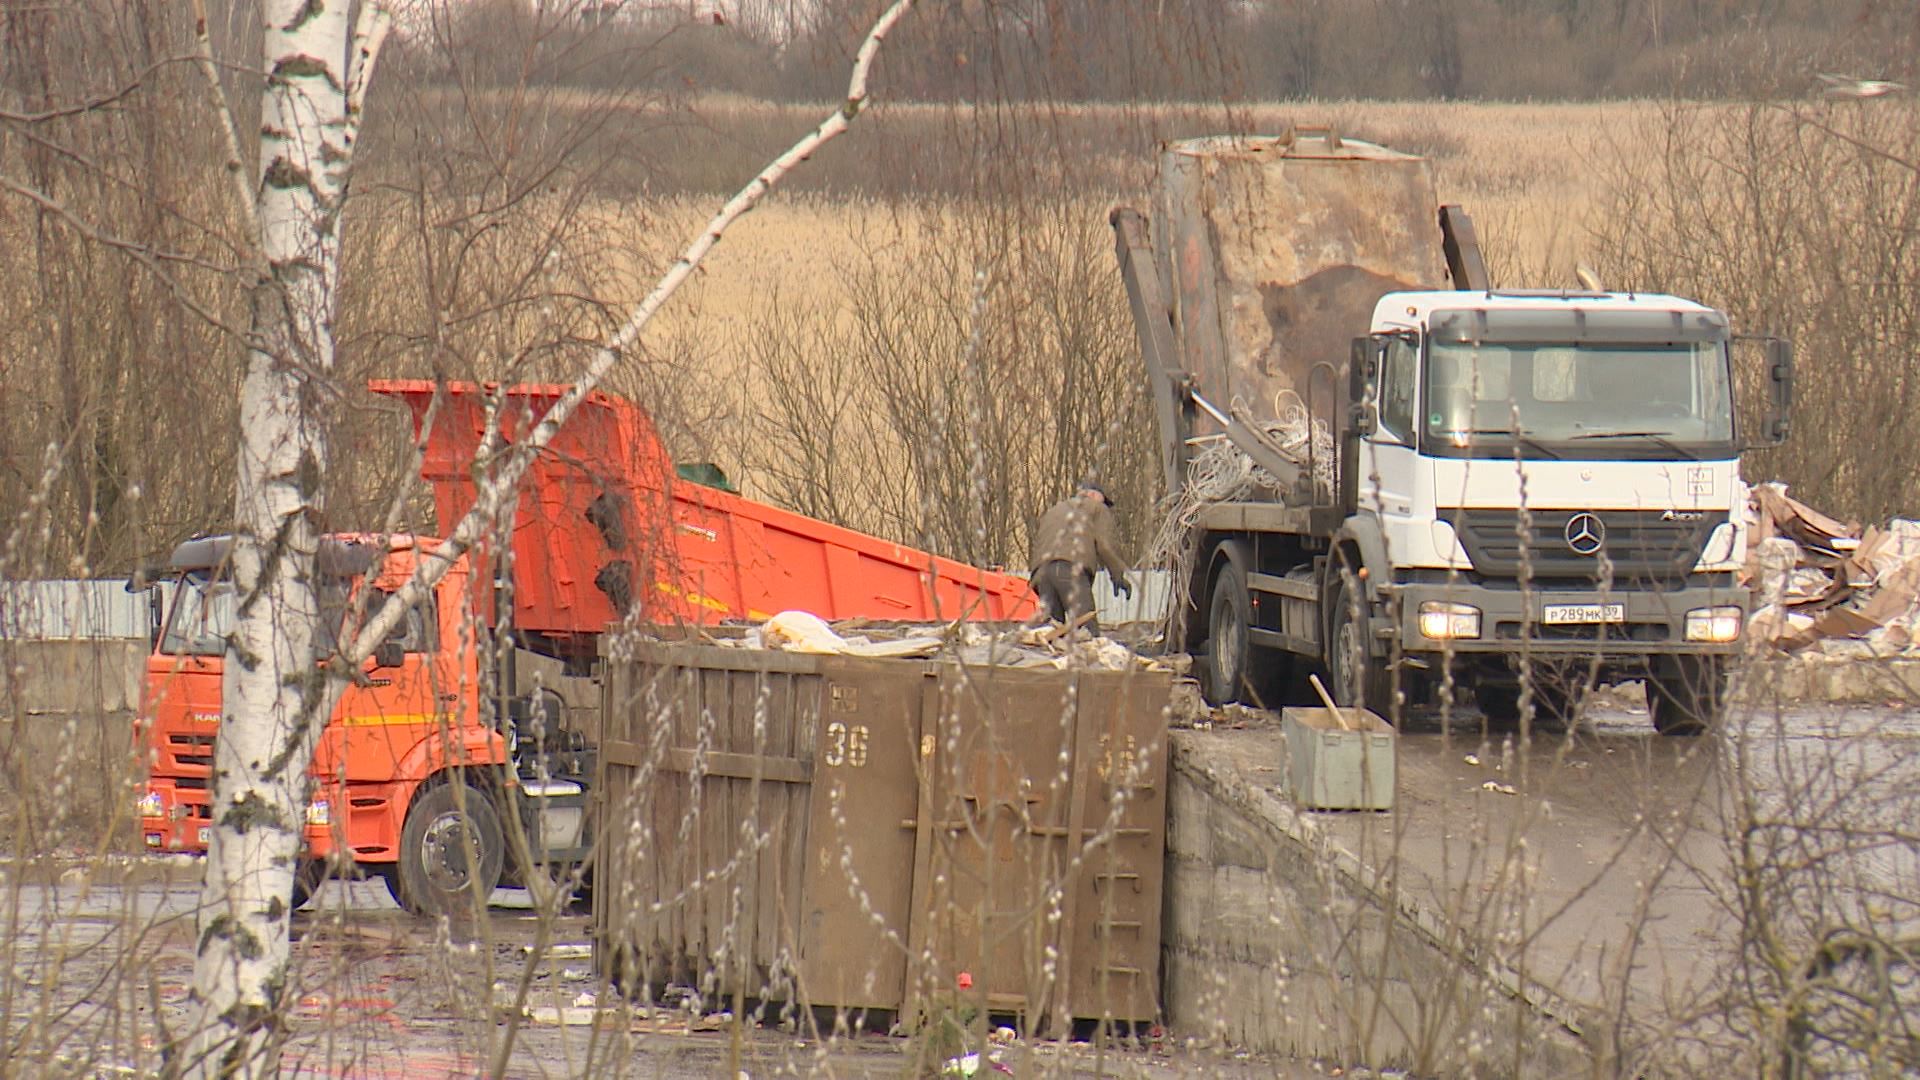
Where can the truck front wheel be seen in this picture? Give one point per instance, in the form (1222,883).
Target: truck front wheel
(1230,614)
(451,851)
(1359,678)
(1685,694)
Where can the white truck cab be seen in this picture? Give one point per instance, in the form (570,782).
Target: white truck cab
(1554,468)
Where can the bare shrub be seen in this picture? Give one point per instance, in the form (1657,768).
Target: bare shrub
(963,388)
(1799,221)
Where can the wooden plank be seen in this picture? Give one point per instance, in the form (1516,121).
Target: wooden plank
(720,658)
(920,914)
(1270,517)
(1064,932)
(1283,586)
(716,763)
(1278,640)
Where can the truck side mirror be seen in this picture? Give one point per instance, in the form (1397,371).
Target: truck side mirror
(1363,374)
(389,654)
(1780,378)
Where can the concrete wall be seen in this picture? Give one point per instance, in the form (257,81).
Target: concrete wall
(1276,941)
(67,760)
(1835,681)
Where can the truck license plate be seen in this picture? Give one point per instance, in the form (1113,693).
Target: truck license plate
(1571,614)
(206,834)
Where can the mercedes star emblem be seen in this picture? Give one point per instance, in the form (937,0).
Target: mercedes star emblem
(1585,534)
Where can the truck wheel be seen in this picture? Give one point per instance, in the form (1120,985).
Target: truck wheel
(1230,615)
(1686,694)
(451,850)
(1359,678)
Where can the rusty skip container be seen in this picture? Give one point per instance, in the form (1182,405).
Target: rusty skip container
(855,833)
(1275,249)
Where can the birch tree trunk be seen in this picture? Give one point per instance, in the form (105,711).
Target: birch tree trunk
(275,699)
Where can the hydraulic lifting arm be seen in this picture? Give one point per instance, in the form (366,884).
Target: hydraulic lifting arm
(1174,396)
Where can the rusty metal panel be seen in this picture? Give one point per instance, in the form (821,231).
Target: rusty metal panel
(1277,249)
(754,805)
(855,833)
(1039,870)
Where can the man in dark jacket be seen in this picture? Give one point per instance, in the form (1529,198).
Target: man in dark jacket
(1075,537)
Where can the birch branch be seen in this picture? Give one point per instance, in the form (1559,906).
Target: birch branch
(434,564)
(236,163)
(369,34)
(84,107)
(154,259)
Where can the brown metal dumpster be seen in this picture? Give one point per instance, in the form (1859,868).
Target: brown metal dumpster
(831,831)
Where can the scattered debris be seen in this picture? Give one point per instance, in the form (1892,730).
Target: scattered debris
(569,951)
(804,632)
(969,1065)
(562,1017)
(1050,645)
(1472,759)
(1829,588)
(1188,707)
(1499,788)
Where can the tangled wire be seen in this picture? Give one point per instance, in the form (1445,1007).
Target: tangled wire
(1218,471)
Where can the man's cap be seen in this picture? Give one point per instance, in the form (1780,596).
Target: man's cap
(1098,490)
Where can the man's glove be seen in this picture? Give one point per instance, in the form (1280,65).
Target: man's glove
(1123,587)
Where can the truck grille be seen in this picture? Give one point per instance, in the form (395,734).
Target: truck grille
(1641,546)
(191,751)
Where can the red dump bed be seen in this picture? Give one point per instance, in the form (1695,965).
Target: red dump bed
(604,529)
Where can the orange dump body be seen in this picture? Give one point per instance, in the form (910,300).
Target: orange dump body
(604,530)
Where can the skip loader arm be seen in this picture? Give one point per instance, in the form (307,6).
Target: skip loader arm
(1175,398)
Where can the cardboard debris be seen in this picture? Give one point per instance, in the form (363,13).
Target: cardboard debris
(1050,646)
(1821,581)
(1780,515)
(805,632)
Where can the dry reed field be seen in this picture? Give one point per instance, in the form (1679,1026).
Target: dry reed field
(1533,176)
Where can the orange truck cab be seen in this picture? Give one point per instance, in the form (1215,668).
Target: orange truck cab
(409,768)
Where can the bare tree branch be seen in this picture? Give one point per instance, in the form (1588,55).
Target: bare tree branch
(435,563)
(236,163)
(152,259)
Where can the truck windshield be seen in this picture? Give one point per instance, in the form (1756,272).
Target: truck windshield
(203,613)
(1584,401)
(201,618)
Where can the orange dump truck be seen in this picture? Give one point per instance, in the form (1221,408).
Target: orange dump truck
(471,734)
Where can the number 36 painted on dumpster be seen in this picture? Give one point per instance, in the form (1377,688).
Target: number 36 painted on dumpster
(846,745)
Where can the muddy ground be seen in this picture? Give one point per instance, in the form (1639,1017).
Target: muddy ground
(100,974)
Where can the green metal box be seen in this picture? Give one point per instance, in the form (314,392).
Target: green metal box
(1331,766)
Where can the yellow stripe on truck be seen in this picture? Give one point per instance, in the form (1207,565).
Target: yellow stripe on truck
(394,719)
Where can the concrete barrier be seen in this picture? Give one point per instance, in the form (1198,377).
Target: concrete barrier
(1847,681)
(67,759)
(1278,941)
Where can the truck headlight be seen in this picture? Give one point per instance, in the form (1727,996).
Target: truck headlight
(1714,624)
(151,805)
(319,813)
(1443,621)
